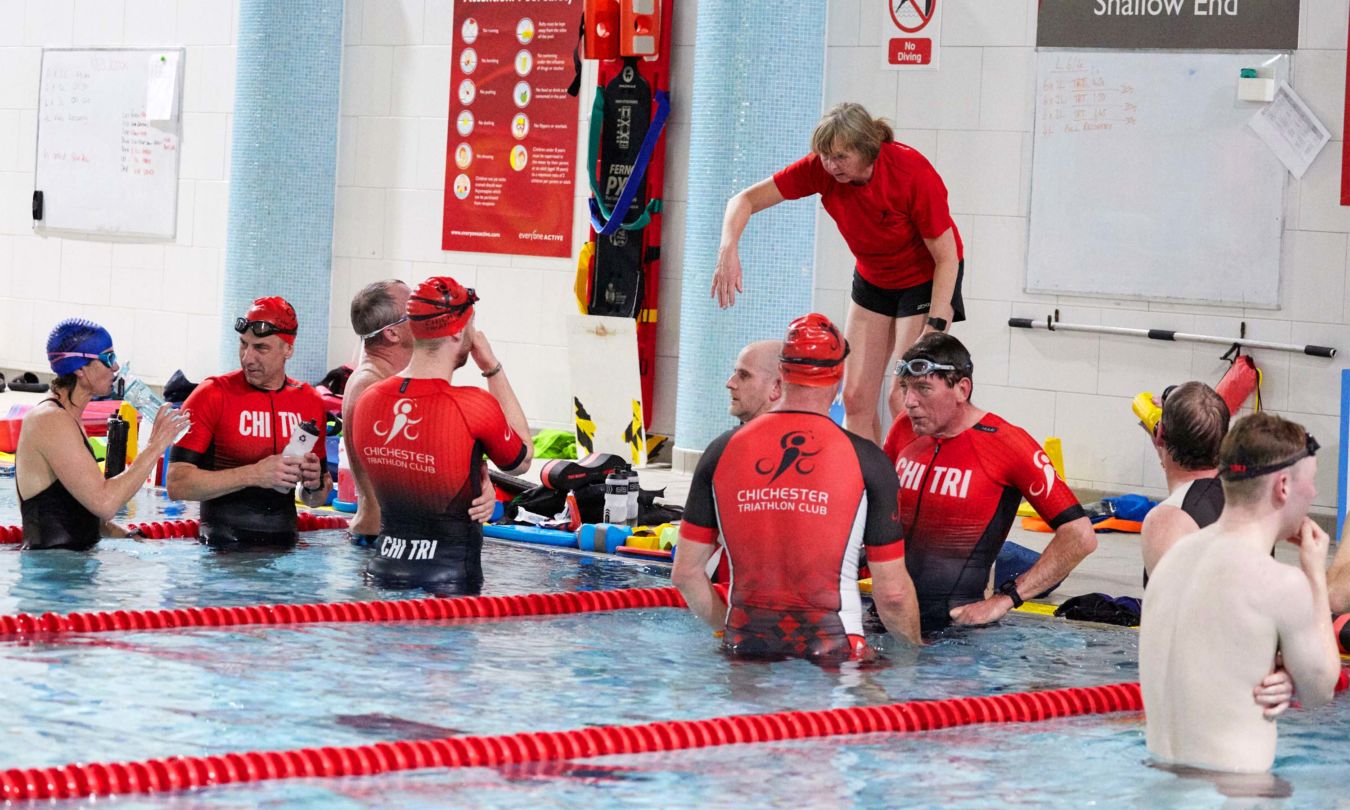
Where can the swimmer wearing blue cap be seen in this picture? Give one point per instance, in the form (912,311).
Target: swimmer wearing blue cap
(63,497)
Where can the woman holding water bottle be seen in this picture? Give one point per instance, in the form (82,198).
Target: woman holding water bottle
(63,497)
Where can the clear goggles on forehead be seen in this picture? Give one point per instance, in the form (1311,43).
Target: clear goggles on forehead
(920,367)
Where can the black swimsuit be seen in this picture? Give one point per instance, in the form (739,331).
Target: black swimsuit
(53,518)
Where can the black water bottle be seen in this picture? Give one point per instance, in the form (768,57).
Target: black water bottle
(115,458)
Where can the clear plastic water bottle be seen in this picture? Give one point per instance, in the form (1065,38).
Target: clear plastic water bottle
(616,498)
(144,399)
(634,487)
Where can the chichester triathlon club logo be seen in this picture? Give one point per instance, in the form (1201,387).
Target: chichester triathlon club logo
(794,457)
(402,422)
(1047,469)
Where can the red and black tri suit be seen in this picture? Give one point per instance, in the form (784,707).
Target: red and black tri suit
(795,499)
(420,442)
(958,499)
(235,424)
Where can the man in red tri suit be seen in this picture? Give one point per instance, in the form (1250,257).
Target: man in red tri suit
(421,441)
(230,459)
(795,499)
(963,472)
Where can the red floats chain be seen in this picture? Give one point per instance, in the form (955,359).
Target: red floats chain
(167,529)
(464,607)
(183,773)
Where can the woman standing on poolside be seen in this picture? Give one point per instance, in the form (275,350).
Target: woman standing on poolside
(891,208)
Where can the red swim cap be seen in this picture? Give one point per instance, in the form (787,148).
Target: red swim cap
(440,307)
(813,352)
(274,310)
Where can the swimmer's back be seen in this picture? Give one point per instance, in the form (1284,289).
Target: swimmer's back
(1207,637)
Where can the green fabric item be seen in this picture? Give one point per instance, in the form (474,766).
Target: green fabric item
(555,444)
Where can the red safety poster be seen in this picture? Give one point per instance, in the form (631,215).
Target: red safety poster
(511,140)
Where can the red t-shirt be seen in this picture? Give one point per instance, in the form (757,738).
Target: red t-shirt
(795,499)
(420,442)
(958,499)
(885,220)
(235,424)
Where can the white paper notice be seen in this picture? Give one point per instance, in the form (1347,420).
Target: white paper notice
(1291,130)
(162,87)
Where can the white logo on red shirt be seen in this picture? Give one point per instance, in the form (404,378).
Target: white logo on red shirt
(403,422)
(1040,459)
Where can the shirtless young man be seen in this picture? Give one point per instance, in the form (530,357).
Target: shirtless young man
(1218,608)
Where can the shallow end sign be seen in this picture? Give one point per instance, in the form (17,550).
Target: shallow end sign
(913,33)
(1229,25)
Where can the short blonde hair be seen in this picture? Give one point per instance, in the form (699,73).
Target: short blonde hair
(850,126)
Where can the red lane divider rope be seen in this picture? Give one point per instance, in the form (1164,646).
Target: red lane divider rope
(167,529)
(463,607)
(183,773)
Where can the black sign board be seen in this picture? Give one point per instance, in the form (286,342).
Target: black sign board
(1229,25)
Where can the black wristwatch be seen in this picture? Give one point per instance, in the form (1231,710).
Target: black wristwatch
(937,323)
(1009,589)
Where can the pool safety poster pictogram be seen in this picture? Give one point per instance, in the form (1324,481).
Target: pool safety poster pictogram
(511,138)
(912,33)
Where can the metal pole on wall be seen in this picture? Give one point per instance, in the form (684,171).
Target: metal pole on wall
(1051,325)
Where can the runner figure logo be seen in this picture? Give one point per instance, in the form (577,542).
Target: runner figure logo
(794,456)
(912,16)
(402,422)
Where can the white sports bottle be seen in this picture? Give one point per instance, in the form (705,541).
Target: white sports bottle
(616,497)
(304,437)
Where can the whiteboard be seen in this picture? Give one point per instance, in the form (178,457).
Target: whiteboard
(1147,183)
(103,166)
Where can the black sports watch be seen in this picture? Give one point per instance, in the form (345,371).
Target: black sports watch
(937,323)
(1009,589)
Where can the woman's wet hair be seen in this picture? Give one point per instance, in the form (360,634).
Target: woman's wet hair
(1194,422)
(849,126)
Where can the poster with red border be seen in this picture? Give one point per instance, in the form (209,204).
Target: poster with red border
(511,137)
(912,34)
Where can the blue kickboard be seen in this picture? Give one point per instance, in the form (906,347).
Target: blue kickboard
(532,534)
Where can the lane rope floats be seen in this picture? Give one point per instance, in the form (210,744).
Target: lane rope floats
(462,607)
(189,529)
(171,774)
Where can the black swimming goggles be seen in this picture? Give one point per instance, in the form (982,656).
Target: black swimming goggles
(260,328)
(1242,472)
(921,367)
(443,306)
(107,358)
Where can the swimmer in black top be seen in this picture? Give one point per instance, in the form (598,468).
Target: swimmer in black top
(63,497)
(1193,423)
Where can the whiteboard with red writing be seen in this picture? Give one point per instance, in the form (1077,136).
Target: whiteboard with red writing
(108,141)
(1147,182)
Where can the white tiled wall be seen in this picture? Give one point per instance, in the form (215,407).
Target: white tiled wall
(160,300)
(973,118)
(391,170)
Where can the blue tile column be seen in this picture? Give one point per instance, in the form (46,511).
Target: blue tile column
(283,170)
(758,83)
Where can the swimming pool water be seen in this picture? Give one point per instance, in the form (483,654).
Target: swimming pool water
(134,695)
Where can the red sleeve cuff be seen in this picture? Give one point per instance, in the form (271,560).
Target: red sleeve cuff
(698,534)
(887,553)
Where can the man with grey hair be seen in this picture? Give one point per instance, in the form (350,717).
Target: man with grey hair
(379,315)
(755,383)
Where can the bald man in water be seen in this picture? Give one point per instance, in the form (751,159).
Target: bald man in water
(756,384)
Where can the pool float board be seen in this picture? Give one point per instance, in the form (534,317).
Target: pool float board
(532,534)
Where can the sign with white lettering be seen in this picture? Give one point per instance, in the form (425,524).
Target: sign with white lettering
(1169,24)
(912,33)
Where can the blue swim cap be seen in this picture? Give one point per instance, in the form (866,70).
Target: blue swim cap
(75,335)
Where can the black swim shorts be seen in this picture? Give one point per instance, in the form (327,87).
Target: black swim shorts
(906,301)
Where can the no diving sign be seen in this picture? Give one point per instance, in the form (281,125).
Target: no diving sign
(913,33)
